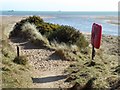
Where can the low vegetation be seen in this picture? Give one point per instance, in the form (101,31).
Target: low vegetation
(34,28)
(20,60)
(104,72)
(13,73)
(31,33)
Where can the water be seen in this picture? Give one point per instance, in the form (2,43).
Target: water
(80,20)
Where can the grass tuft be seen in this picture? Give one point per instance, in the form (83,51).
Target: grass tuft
(13,75)
(21,60)
(33,35)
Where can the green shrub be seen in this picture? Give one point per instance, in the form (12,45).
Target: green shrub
(21,60)
(43,27)
(35,20)
(62,34)
(18,26)
(47,27)
(69,35)
(65,34)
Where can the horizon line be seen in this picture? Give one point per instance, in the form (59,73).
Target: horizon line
(56,11)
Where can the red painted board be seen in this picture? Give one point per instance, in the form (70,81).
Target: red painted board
(96,35)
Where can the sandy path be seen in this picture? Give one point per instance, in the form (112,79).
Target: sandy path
(48,68)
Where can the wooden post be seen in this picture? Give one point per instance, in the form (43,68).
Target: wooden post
(18,51)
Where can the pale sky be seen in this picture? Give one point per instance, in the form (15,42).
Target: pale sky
(63,5)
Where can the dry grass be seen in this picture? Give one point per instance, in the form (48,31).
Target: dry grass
(21,60)
(68,52)
(13,75)
(34,35)
(55,45)
(103,70)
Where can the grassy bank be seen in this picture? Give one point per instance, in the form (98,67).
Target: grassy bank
(104,72)
(14,75)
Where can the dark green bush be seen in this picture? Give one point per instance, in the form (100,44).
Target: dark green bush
(65,34)
(35,19)
(43,27)
(47,28)
(21,60)
(69,35)
(18,26)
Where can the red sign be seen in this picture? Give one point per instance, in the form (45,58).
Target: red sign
(96,35)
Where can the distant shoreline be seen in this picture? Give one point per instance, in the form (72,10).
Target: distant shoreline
(109,19)
(90,13)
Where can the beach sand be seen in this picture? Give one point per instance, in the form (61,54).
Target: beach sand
(109,48)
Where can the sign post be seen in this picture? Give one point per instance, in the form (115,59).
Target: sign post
(93,52)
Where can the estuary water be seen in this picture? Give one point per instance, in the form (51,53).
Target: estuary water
(80,20)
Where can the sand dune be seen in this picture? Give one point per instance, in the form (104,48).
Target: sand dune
(48,67)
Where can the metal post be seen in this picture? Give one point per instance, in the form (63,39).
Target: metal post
(17,50)
(93,52)
(92,63)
